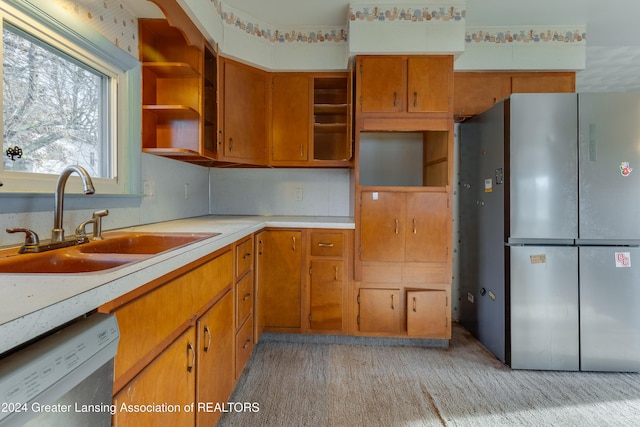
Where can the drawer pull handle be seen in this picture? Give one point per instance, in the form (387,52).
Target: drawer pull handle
(414,304)
(230,144)
(191,364)
(261,247)
(294,243)
(336,270)
(415,99)
(397,225)
(247,255)
(301,150)
(246,344)
(246,297)
(392,299)
(395,99)
(208,332)
(325,245)
(415,226)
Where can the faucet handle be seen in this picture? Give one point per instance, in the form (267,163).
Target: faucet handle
(97,217)
(81,232)
(30,238)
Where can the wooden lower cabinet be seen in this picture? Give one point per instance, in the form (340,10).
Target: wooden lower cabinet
(176,345)
(313,302)
(428,313)
(215,367)
(170,379)
(379,310)
(279,263)
(404,312)
(326,301)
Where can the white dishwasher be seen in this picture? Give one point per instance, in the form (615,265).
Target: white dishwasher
(65,379)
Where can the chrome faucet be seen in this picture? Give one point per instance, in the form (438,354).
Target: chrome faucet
(57,234)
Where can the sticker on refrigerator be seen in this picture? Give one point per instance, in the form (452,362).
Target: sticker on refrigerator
(538,259)
(499,176)
(488,185)
(623,259)
(625,170)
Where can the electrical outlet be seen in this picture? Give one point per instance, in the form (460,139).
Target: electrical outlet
(148,188)
(470,297)
(298,194)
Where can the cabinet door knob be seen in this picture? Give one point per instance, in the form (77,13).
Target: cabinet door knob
(246,297)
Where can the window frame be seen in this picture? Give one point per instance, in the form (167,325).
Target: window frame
(50,23)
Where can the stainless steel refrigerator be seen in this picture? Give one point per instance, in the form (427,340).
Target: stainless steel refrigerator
(550,229)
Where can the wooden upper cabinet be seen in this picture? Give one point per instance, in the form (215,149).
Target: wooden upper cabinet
(310,120)
(543,82)
(179,85)
(244,100)
(382,84)
(476,92)
(290,118)
(429,84)
(404,84)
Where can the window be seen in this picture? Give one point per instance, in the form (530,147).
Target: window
(55,109)
(66,99)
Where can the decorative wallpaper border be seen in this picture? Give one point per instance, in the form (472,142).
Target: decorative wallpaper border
(387,13)
(233,18)
(112,19)
(503,35)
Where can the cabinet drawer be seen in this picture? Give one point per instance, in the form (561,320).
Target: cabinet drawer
(244,346)
(244,257)
(327,244)
(244,299)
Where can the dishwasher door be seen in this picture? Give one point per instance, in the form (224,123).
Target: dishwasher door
(65,379)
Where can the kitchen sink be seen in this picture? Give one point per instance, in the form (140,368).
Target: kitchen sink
(117,249)
(141,243)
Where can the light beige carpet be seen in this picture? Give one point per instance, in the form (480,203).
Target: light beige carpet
(306,384)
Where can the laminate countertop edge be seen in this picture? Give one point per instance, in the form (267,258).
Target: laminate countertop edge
(34,304)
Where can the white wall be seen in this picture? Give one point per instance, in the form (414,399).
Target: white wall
(35,211)
(325,192)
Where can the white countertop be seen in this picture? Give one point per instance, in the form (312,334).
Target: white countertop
(33,304)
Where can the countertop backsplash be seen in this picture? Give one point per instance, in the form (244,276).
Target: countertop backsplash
(313,192)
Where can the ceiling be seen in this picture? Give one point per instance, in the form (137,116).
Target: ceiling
(613,42)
